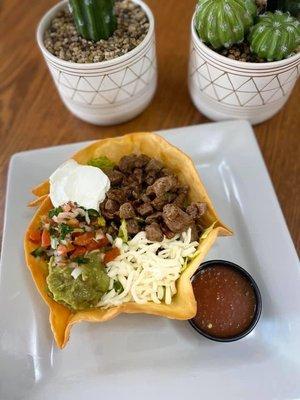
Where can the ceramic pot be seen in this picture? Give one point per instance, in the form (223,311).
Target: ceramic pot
(108,92)
(222,88)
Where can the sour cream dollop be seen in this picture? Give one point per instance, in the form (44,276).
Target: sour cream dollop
(83,184)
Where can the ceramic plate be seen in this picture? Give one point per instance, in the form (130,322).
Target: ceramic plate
(146,357)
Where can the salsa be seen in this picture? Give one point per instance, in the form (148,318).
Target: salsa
(226,301)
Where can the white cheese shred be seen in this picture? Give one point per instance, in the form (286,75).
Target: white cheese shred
(147,270)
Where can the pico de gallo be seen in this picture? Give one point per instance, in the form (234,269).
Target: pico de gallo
(74,243)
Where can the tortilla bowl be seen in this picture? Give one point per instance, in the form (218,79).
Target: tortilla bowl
(183,304)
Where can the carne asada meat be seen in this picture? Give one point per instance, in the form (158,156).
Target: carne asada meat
(145,209)
(126,211)
(195,210)
(163,185)
(115,177)
(150,198)
(132,227)
(176,219)
(154,233)
(155,217)
(154,166)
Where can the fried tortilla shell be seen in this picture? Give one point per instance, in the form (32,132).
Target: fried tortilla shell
(183,304)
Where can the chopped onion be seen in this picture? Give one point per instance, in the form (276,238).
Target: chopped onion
(76,272)
(110,238)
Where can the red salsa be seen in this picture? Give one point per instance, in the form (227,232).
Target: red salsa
(226,301)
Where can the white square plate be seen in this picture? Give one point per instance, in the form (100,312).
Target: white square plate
(145,357)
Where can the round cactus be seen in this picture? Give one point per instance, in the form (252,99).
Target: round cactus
(275,36)
(224,22)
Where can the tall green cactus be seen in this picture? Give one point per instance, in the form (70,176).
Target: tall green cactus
(94,19)
(275,36)
(224,22)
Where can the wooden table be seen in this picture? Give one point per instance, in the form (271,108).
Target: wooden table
(33,116)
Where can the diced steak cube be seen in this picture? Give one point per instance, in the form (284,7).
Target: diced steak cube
(115,177)
(159,202)
(119,195)
(195,210)
(163,185)
(176,220)
(127,163)
(154,233)
(132,226)
(194,233)
(138,175)
(145,209)
(150,177)
(180,200)
(166,231)
(141,161)
(145,198)
(153,217)
(126,211)
(154,165)
(111,206)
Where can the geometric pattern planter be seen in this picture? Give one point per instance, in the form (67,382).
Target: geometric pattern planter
(223,88)
(107,92)
(109,88)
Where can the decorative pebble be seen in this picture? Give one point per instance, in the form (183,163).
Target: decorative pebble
(240,52)
(62,40)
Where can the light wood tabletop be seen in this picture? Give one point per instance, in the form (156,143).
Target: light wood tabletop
(33,116)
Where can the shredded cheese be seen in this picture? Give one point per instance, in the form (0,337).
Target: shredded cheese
(147,270)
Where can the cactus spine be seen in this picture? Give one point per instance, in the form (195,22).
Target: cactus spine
(224,22)
(291,6)
(94,19)
(275,36)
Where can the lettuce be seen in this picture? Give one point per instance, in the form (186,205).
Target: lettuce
(101,162)
(123,234)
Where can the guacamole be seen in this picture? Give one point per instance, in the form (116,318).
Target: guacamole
(83,292)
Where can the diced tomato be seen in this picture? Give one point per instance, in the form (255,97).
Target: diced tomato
(93,245)
(103,241)
(46,240)
(111,254)
(64,249)
(76,234)
(35,236)
(79,251)
(84,239)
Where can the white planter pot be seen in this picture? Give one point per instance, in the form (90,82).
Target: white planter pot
(108,92)
(222,88)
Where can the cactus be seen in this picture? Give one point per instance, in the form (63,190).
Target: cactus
(224,22)
(94,19)
(275,36)
(291,6)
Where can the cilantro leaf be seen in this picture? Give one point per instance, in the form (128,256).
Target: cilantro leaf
(64,230)
(93,213)
(118,287)
(54,211)
(38,252)
(82,260)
